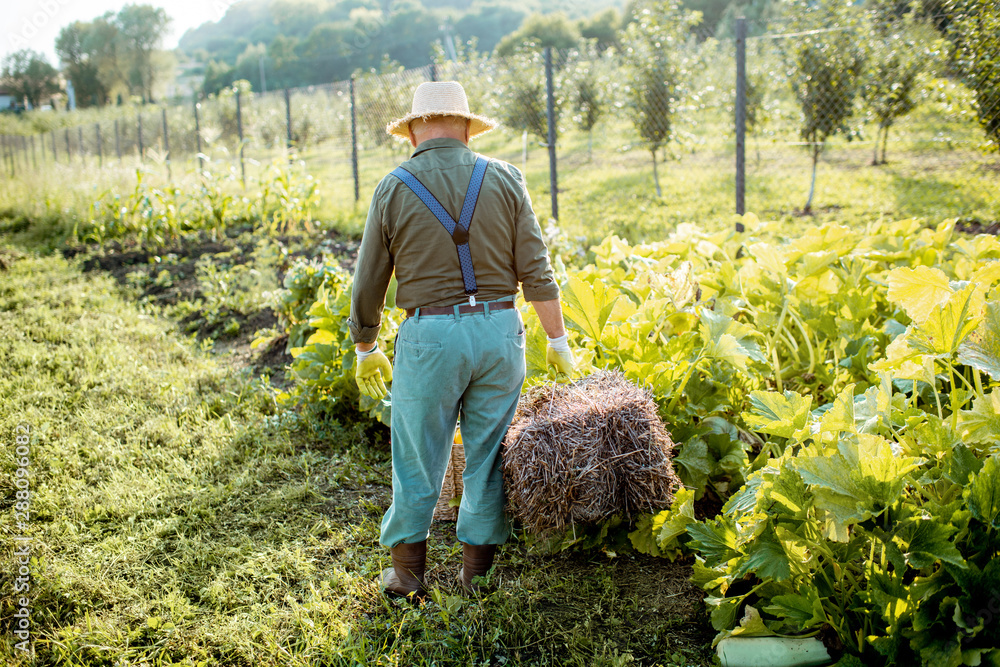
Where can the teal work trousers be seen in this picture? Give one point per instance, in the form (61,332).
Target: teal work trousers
(446,366)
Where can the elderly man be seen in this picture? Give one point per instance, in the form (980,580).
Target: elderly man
(459,232)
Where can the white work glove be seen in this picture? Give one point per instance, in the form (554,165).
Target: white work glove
(558,354)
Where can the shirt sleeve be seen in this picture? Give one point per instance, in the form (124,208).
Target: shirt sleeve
(531,257)
(371,276)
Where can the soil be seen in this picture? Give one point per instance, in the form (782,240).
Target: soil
(179,261)
(975,226)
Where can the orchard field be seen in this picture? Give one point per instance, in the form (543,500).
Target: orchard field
(196,480)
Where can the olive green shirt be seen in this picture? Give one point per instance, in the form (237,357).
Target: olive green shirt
(402,235)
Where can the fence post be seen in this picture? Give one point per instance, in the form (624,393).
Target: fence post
(239,129)
(354,144)
(5,149)
(34,159)
(55,156)
(434,72)
(741,116)
(288,123)
(69,150)
(100,149)
(79,144)
(550,116)
(166,143)
(118,143)
(197,136)
(139,116)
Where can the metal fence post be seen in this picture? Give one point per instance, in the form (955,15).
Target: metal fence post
(141,149)
(55,156)
(434,72)
(550,116)
(79,143)
(118,143)
(354,143)
(239,129)
(741,116)
(197,136)
(69,151)
(34,159)
(288,123)
(100,148)
(166,143)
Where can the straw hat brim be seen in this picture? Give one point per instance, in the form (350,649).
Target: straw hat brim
(401,128)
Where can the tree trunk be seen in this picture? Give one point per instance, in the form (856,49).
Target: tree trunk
(878,136)
(885,142)
(812,184)
(590,143)
(656,175)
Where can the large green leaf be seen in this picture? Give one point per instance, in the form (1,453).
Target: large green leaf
(948,325)
(715,540)
(777,414)
(982,349)
(983,494)
(675,521)
(981,424)
(918,290)
(587,306)
(804,609)
(861,480)
(693,463)
(728,340)
(767,558)
(923,542)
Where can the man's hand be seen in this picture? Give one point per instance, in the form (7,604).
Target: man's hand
(373,371)
(558,354)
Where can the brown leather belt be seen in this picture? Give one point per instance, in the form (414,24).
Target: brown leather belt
(463,309)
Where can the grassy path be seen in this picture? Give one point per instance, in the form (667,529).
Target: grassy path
(178,517)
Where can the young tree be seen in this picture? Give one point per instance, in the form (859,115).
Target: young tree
(975,30)
(141,28)
(74,46)
(892,74)
(653,67)
(588,92)
(826,60)
(541,30)
(29,76)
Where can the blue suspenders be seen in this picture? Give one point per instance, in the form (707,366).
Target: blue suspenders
(459,230)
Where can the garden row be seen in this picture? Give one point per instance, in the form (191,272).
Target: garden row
(837,400)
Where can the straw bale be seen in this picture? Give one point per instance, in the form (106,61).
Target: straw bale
(583,452)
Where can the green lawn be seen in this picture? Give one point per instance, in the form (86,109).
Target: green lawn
(178,516)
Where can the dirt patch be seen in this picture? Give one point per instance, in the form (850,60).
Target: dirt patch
(974,226)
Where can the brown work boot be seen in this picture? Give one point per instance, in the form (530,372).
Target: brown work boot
(406,576)
(476,562)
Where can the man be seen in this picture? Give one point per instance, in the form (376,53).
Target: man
(459,232)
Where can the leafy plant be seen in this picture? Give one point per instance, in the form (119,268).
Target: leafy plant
(877,518)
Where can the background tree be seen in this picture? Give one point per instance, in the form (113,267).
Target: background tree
(587,90)
(890,82)
(974,28)
(141,28)
(74,47)
(29,76)
(825,70)
(541,30)
(520,100)
(654,65)
(603,28)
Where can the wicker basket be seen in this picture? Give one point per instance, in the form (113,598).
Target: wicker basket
(452,487)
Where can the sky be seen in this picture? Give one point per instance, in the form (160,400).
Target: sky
(35,24)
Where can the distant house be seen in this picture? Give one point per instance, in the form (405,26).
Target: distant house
(6,99)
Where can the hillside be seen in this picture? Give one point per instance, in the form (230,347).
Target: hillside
(301,42)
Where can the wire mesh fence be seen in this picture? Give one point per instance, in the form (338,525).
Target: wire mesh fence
(884,107)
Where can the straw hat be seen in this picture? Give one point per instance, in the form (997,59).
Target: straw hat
(440,98)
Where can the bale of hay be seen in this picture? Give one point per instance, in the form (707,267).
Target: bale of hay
(452,486)
(583,452)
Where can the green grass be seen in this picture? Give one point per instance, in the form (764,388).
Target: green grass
(178,516)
